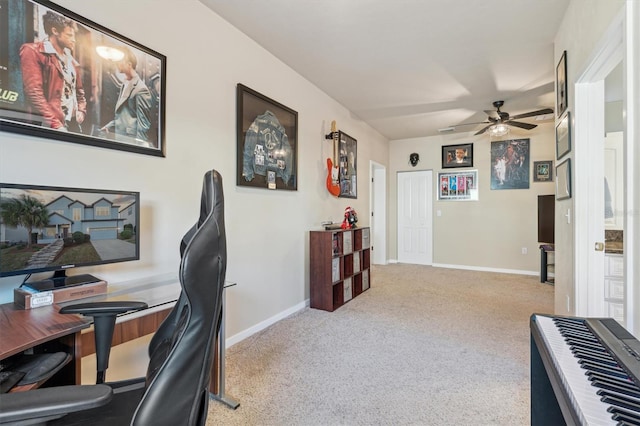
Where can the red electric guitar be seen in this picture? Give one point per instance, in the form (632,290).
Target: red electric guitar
(333,185)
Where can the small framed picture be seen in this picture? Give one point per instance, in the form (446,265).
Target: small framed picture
(563,180)
(457,156)
(542,171)
(563,136)
(561,85)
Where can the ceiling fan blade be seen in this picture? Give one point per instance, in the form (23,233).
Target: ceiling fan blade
(533,113)
(481,131)
(522,125)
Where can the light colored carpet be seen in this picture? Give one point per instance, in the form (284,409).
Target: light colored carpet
(423,346)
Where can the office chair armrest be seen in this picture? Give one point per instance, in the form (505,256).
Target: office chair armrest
(104,320)
(114,307)
(51,403)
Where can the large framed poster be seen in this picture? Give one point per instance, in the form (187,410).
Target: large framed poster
(267,142)
(67,78)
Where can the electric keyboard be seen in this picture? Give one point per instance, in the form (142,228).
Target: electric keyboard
(584,371)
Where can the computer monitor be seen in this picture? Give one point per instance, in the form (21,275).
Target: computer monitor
(46,228)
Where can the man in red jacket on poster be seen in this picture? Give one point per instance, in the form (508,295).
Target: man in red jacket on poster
(51,76)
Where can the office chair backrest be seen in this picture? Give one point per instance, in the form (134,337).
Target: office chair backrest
(181,351)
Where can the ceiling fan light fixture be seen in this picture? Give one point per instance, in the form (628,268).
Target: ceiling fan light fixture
(499,129)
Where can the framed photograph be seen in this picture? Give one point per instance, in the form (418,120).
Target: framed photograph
(457,156)
(267,144)
(348,157)
(67,78)
(458,186)
(563,136)
(542,171)
(510,164)
(563,180)
(561,85)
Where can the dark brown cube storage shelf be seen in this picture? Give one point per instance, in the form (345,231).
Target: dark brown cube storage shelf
(339,266)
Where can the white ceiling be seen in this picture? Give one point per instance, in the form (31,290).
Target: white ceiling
(411,67)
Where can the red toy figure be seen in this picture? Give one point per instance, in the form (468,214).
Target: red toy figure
(350,218)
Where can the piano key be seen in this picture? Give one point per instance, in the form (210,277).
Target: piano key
(611,371)
(625,416)
(583,397)
(616,387)
(593,358)
(585,335)
(595,375)
(620,401)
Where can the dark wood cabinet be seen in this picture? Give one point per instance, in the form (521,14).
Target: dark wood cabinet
(339,266)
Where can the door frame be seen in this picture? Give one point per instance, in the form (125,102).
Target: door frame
(589,169)
(378,212)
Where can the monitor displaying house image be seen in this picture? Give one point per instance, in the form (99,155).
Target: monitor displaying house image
(48,228)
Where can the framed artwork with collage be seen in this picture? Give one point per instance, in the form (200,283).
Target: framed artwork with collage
(458,186)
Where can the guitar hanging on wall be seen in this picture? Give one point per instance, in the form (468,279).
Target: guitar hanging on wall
(333,185)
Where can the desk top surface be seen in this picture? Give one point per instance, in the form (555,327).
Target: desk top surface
(21,329)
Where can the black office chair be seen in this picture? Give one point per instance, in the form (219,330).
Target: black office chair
(175,389)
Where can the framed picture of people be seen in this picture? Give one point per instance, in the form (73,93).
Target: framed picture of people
(348,159)
(457,156)
(67,78)
(510,164)
(267,142)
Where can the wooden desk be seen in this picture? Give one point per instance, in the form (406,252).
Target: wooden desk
(43,330)
(46,330)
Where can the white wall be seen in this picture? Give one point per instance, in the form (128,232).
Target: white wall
(267,230)
(485,234)
(583,25)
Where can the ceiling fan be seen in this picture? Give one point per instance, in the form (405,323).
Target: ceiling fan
(497,118)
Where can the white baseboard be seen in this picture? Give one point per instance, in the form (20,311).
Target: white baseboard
(485,269)
(230,341)
(480,268)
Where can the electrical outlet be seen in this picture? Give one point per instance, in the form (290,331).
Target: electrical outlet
(524,250)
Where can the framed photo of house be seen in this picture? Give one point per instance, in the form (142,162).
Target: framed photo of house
(561,85)
(348,161)
(563,180)
(67,78)
(563,136)
(267,142)
(542,171)
(458,186)
(457,156)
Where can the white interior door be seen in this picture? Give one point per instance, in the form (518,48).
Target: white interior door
(415,217)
